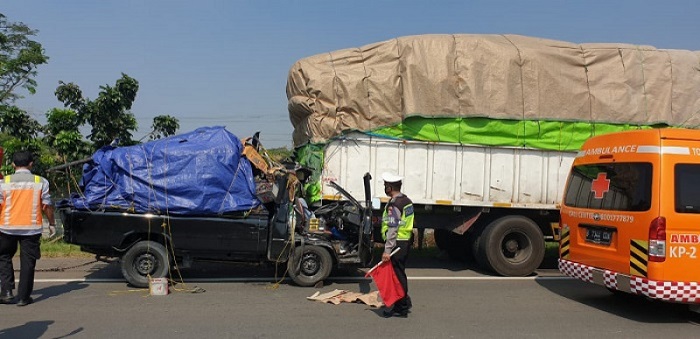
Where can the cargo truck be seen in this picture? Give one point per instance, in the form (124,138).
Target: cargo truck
(499,203)
(483,127)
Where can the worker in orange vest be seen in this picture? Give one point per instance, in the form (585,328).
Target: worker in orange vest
(23,198)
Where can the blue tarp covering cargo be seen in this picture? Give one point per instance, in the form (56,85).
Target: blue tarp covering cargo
(198,173)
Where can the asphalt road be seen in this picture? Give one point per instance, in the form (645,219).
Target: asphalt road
(82,299)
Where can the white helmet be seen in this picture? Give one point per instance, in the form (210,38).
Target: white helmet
(390,177)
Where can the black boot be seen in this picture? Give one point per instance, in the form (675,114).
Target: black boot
(25,302)
(6,297)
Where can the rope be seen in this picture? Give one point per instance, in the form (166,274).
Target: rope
(61,269)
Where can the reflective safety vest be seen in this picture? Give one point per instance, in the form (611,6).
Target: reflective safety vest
(21,206)
(405,225)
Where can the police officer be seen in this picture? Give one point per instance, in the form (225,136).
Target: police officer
(397,229)
(23,197)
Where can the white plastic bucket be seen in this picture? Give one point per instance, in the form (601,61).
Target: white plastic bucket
(158,286)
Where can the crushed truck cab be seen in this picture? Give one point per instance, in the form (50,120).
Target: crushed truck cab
(630,216)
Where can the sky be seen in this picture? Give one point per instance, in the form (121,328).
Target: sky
(225,62)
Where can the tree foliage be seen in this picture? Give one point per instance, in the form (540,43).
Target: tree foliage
(17,123)
(19,58)
(163,126)
(62,132)
(108,115)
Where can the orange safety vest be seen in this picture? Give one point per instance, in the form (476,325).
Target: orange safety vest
(21,206)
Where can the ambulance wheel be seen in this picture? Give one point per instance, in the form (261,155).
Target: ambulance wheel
(143,260)
(309,265)
(511,246)
(619,294)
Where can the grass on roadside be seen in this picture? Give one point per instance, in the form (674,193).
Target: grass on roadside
(57,248)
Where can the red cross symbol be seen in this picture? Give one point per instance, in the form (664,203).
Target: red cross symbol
(600,185)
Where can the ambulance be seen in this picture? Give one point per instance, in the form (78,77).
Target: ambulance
(630,215)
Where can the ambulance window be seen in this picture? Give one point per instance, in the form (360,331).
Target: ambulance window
(687,188)
(615,186)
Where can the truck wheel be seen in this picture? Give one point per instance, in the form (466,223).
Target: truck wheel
(511,246)
(473,238)
(441,237)
(309,265)
(452,243)
(143,260)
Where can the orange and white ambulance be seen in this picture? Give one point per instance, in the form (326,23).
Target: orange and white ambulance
(630,215)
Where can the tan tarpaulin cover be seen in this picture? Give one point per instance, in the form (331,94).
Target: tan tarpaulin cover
(495,76)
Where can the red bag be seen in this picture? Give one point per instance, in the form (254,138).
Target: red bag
(390,288)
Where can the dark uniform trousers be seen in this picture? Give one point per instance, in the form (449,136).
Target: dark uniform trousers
(29,254)
(398,260)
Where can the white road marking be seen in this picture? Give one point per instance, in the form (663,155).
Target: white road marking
(341,279)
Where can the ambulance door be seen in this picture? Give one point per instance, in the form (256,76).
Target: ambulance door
(681,210)
(607,203)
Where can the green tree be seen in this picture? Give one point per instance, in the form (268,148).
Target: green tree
(280,154)
(19,58)
(59,120)
(164,126)
(17,123)
(62,132)
(108,115)
(12,144)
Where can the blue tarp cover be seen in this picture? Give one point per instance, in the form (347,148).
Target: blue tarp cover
(198,173)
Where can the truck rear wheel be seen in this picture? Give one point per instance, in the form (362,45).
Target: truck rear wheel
(309,265)
(454,244)
(441,238)
(143,260)
(511,246)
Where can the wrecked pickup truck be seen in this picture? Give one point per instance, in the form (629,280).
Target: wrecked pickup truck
(196,197)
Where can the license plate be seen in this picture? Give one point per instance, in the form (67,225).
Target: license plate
(599,235)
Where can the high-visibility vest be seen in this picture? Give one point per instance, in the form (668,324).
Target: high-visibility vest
(21,207)
(405,225)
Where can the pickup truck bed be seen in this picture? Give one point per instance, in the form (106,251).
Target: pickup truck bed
(148,244)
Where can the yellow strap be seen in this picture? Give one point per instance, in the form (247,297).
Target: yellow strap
(255,158)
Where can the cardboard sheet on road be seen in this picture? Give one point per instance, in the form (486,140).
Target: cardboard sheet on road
(339,296)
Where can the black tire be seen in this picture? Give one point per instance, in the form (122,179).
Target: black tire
(511,246)
(456,245)
(441,237)
(143,260)
(309,265)
(473,238)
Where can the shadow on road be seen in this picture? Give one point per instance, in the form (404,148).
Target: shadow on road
(623,305)
(32,329)
(56,290)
